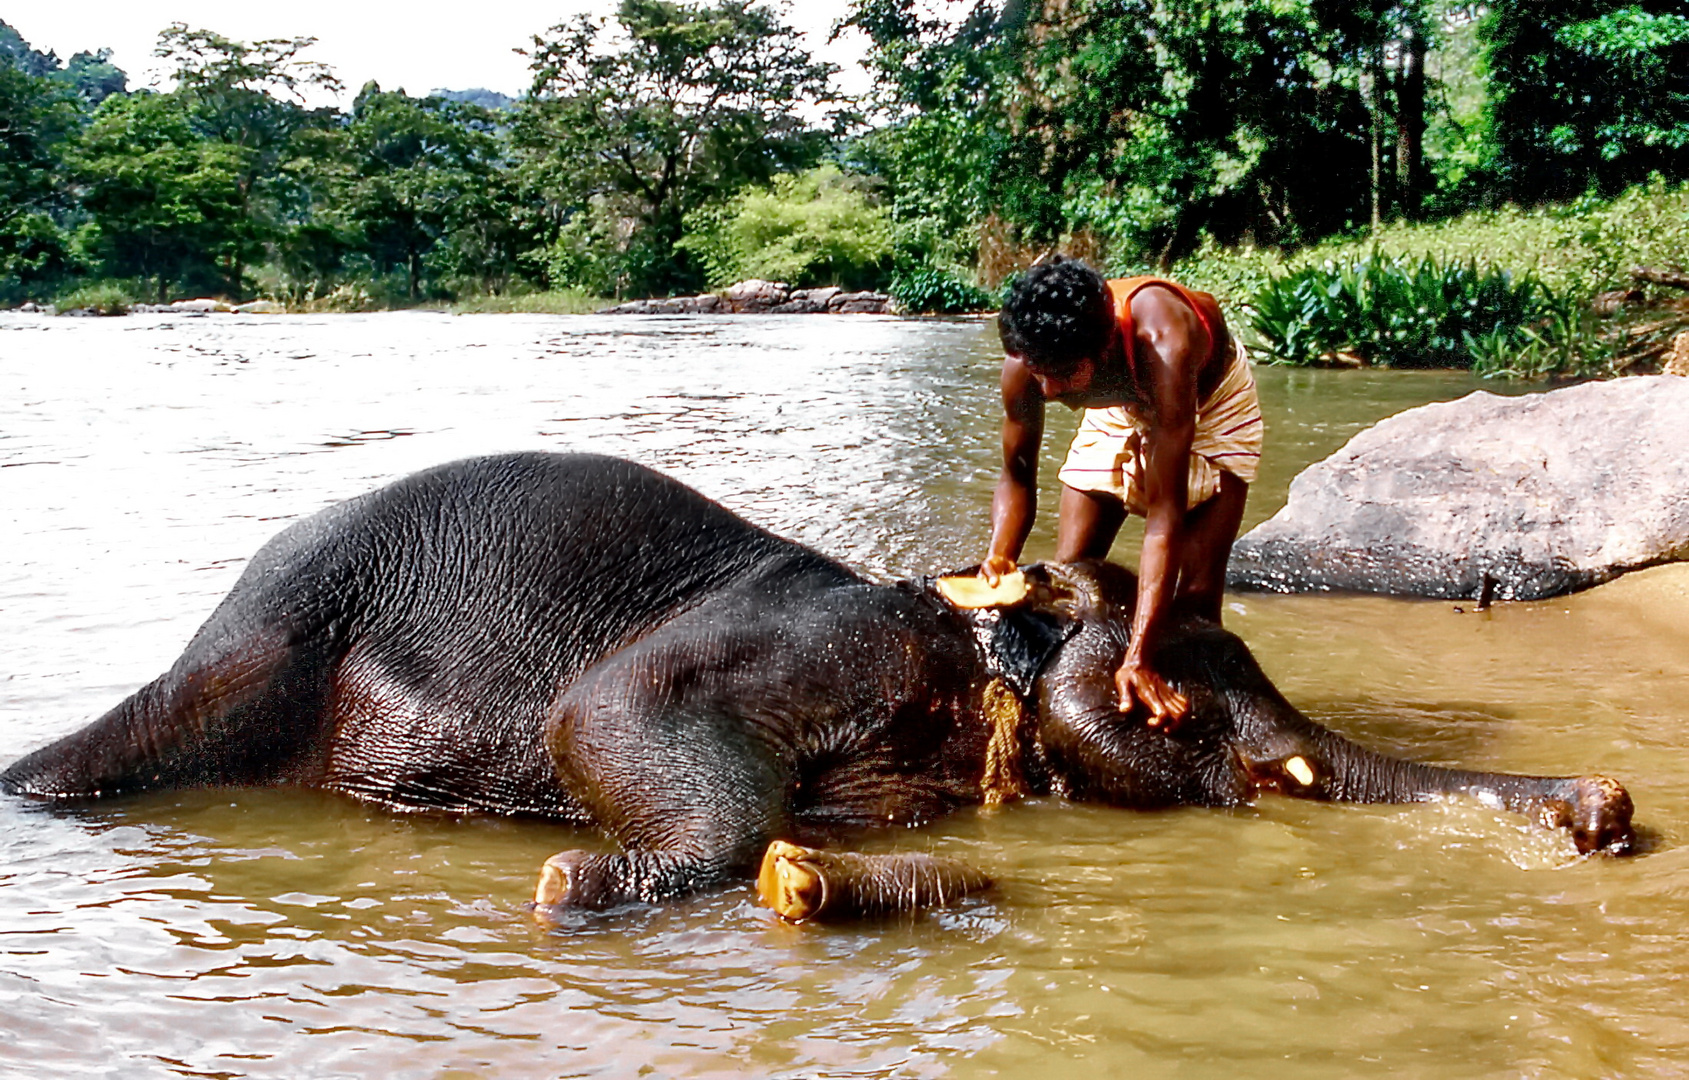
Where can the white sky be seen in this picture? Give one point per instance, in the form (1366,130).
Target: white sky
(421,46)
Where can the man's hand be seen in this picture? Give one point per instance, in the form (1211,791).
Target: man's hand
(1140,685)
(994,567)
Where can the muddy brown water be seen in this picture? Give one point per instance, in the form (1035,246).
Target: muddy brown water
(290,934)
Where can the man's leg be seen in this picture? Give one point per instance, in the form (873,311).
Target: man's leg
(1089,522)
(1210,530)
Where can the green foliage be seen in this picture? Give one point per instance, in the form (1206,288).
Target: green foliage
(37,122)
(814,228)
(1587,94)
(426,187)
(1564,341)
(101,297)
(943,92)
(1579,249)
(164,202)
(551,302)
(937,290)
(1395,313)
(691,104)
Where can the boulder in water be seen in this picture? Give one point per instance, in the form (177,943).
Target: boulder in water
(1515,498)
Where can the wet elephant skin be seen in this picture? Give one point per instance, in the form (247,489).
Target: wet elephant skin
(580,638)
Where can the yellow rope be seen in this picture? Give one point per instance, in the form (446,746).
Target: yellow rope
(1003,780)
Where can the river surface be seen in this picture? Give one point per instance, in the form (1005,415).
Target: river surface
(293,934)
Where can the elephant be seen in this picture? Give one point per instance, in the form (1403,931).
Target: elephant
(580,638)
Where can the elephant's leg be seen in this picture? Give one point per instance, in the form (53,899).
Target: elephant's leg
(239,709)
(685,787)
(805,884)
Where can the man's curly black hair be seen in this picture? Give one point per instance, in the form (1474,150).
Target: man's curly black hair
(1056,315)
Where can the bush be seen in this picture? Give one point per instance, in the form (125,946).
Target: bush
(1394,313)
(814,228)
(100,297)
(1583,247)
(934,290)
(551,302)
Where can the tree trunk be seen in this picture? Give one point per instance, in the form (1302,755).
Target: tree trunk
(1376,105)
(1410,122)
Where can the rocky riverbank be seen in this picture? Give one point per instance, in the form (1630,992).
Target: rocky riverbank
(757,297)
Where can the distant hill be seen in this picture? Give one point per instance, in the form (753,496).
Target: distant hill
(487,99)
(91,73)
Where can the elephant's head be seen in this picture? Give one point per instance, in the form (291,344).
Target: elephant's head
(1241,737)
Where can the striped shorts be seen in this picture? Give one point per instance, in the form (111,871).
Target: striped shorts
(1107,450)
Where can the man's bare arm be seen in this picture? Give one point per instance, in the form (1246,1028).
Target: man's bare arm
(1016,500)
(1171,344)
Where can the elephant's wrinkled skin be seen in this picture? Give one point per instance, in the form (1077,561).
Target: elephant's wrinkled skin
(580,638)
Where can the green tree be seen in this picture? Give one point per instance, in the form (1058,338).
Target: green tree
(1586,94)
(37,120)
(94,76)
(427,172)
(164,200)
(250,98)
(622,138)
(944,95)
(1147,123)
(814,228)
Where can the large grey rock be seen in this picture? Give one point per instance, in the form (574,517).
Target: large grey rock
(755,295)
(1511,497)
(859,303)
(202,306)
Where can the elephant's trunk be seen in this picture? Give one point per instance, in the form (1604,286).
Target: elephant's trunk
(1595,809)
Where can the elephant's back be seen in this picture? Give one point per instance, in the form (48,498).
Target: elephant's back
(481,589)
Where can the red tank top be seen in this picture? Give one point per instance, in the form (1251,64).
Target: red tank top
(1207,311)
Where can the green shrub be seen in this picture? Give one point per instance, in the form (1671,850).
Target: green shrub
(1584,247)
(935,290)
(550,302)
(101,297)
(1395,313)
(1567,339)
(814,228)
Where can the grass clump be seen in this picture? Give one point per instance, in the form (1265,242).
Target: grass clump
(108,297)
(555,302)
(1583,247)
(1397,313)
(936,290)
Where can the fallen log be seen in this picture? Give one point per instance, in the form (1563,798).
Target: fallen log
(1674,278)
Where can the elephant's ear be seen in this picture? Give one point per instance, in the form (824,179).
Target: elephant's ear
(1021,642)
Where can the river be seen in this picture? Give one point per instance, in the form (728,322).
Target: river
(293,934)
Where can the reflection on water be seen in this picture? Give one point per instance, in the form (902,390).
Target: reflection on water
(270,933)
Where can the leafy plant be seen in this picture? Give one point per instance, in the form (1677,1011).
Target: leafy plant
(935,290)
(1395,313)
(813,228)
(99,297)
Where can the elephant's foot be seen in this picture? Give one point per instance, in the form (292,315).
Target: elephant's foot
(579,879)
(803,884)
(1596,811)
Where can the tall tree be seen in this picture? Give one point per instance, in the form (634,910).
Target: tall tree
(250,98)
(1587,93)
(37,119)
(426,168)
(162,197)
(688,103)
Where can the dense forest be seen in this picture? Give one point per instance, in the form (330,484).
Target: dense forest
(676,147)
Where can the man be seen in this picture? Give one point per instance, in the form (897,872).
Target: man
(1171,431)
